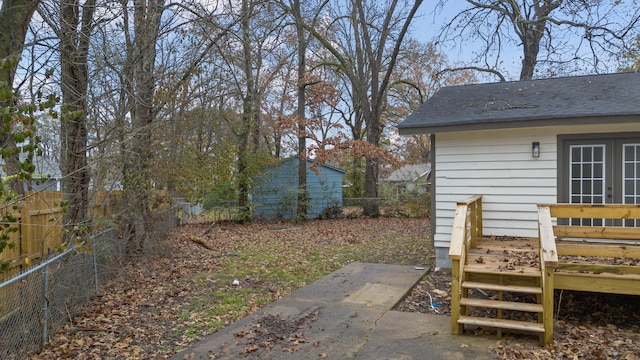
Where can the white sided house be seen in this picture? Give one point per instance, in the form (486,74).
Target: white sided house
(519,144)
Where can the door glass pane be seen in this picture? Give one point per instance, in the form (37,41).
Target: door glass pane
(628,152)
(598,170)
(575,151)
(586,177)
(630,177)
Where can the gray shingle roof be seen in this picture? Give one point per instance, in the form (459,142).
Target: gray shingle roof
(409,173)
(568,100)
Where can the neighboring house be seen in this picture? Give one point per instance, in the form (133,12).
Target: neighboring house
(413,178)
(519,144)
(46,176)
(276,197)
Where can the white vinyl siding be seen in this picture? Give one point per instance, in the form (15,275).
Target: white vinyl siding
(498,165)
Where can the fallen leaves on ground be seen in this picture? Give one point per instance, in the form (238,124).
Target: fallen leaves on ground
(590,326)
(271,331)
(162,304)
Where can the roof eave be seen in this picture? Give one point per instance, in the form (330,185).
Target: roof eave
(515,124)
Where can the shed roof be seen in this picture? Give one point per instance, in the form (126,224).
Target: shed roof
(310,163)
(560,101)
(411,172)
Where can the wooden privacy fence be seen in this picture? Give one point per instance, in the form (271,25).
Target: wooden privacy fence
(39,226)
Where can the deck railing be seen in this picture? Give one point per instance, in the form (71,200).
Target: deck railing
(467,227)
(604,235)
(594,231)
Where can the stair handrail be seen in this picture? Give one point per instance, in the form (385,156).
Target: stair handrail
(548,251)
(467,227)
(548,261)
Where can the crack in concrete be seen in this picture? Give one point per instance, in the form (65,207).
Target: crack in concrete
(367,338)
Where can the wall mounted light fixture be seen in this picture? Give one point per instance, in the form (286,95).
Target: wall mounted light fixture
(535,149)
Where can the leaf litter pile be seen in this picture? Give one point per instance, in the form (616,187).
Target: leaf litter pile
(272,330)
(210,276)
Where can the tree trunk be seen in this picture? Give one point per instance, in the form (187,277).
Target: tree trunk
(15,16)
(249,126)
(531,48)
(371,205)
(74,48)
(136,170)
(303,196)
(375,53)
(10,155)
(243,181)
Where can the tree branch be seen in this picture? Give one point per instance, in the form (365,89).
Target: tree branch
(475,68)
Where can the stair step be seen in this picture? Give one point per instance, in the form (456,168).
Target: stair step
(502,323)
(494,270)
(504,305)
(507,288)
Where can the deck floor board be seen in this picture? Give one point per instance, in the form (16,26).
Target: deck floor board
(514,256)
(518,256)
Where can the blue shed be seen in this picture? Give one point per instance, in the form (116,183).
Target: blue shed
(276,196)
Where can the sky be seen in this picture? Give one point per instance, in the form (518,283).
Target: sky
(430,19)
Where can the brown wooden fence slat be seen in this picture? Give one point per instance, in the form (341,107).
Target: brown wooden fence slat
(39,223)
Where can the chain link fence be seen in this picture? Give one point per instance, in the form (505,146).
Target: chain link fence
(40,299)
(407,205)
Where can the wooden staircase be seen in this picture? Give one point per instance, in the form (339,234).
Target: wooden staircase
(473,297)
(493,276)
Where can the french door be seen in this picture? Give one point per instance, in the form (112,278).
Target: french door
(601,170)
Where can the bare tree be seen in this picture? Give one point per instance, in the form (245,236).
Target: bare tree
(559,34)
(253,53)
(373,34)
(301,19)
(137,186)
(75,34)
(632,58)
(417,76)
(302,42)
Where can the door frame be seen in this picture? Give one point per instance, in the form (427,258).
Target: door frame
(611,157)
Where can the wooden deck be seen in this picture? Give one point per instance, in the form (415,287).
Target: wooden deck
(615,269)
(584,258)
(508,255)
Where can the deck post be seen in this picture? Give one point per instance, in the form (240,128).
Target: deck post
(548,261)
(478,218)
(471,228)
(467,225)
(455,297)
(457,254)
(547,304)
